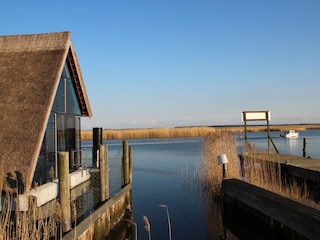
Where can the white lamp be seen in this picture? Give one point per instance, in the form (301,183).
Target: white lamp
(222,159)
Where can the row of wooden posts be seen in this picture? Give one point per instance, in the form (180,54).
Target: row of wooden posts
(103,165)
(99,161)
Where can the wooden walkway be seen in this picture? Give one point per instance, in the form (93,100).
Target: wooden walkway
(296,216)
(307,168)
(292,160)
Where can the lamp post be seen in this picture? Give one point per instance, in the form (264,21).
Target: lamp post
(222,160)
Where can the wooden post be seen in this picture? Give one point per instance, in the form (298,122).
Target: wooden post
(304,147)
(222,160)
(64,189)
(125,163)
(130,164)
(96,142)
(245,130)
(224,170)
(104,172)
(268,129)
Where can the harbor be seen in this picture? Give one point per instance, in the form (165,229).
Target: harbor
(62,185)
(172,164)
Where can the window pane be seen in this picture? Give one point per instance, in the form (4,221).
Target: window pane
(58,105)
(72,100)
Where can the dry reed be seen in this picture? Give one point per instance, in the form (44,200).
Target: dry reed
(34,223)
(147,226)
(168,219)
(150,133)
(200,131)
(215,144)
(211,176)
(74,217)
(267,175)
(264,174)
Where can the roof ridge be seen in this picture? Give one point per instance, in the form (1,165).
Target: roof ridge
(35,42)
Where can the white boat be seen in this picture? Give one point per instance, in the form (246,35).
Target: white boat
(290,134)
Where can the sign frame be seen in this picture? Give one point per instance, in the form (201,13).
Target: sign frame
(256,116)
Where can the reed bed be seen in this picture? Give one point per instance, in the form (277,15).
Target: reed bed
(266,175)
(150,133)
(211,176)
(215,144)
(33,224)
(263,174)
(200,131)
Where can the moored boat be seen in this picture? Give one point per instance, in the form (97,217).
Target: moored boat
(290,134)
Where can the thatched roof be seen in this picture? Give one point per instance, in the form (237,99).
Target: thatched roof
(30,70)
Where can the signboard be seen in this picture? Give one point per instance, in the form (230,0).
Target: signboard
(256,116)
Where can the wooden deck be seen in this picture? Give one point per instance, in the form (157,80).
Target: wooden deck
(287,213)
(307,168)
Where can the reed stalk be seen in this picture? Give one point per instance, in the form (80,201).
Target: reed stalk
(35,223)
(169,221)
(135,228)
(74,217)
(147,226)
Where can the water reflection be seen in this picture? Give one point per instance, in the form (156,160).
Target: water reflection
(213,213)
(126,229)
(291,145)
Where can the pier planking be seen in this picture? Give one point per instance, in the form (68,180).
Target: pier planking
(307,168)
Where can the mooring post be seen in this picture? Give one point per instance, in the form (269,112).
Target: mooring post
(125,163)
(64,189)
(96,142)
(104,172)
(130,163)
(304,147)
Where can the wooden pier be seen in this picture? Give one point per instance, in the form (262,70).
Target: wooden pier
(99,223)
(278,216)
(295,166)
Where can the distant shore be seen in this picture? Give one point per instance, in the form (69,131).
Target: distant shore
(190,131)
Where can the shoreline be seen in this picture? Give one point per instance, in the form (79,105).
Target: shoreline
(190,131)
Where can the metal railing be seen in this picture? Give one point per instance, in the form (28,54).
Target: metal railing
(79,158)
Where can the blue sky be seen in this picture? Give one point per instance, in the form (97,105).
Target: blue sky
(179,63)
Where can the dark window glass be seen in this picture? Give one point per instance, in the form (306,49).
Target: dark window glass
(65,72)
(66,100)
(47,156)
(72,100)
(63,130)
(58,105)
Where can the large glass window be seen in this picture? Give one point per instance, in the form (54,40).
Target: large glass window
(63,130)
(59,105)
(72,105)
(66,100)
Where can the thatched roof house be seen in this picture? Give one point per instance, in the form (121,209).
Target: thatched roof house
(42,97)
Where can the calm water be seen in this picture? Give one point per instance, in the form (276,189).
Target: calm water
(290,146)
(165,172)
